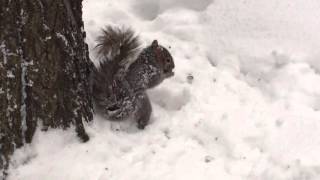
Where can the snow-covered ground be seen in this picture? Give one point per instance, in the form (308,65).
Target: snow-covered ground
(244,103)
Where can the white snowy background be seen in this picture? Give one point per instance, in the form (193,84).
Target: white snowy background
(244,103)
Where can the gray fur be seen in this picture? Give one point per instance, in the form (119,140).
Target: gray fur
(119,84)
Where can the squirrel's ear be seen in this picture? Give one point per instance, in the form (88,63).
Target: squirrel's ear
(154,43)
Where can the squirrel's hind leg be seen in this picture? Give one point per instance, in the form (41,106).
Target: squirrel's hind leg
(144,109)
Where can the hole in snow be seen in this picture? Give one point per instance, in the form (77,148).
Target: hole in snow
(173,99)
(146,9)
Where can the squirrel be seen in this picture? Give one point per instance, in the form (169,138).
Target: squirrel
(125,72)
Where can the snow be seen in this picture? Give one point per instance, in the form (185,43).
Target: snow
(244,103)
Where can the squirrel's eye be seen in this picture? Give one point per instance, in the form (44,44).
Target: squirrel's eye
(168,60)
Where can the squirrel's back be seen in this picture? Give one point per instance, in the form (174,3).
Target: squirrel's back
(116,48)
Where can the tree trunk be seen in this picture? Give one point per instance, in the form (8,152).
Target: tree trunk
(44,71)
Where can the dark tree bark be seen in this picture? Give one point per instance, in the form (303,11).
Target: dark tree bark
(44,71)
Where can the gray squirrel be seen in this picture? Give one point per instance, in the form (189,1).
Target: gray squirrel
(124,74)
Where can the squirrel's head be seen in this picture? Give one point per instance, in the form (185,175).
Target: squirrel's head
(164,58)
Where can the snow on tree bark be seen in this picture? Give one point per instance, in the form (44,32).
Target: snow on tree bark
(44,71)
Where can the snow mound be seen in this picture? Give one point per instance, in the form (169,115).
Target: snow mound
(244,103)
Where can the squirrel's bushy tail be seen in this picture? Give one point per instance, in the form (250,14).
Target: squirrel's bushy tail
(117,44)
(116,49)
